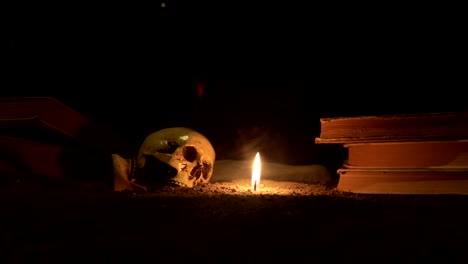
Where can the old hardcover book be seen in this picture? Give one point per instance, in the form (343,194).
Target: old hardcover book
(415,154)
(42,138)
(404,181)
(21,157)
(48,120)
(401,127)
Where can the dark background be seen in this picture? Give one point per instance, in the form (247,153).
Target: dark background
(268,72)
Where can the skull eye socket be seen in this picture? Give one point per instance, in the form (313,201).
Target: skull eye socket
(190,153)
(169,148)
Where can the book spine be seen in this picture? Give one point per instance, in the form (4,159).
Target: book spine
(403,181)
(409,154)
(431,126)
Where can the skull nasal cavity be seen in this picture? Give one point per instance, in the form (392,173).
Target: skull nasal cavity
(190,153)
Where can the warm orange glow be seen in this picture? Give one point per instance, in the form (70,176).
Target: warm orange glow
(200,89)
(256,171)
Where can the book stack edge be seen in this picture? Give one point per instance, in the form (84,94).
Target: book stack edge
(424,153)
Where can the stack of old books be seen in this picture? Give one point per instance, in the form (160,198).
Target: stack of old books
(401,154)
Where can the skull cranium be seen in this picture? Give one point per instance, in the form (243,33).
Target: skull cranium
(175,156)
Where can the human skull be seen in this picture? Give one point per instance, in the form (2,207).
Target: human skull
(175,156)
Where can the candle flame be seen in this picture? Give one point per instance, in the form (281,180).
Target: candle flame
(256,169)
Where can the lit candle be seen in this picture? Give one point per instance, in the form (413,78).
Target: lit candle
(256,169)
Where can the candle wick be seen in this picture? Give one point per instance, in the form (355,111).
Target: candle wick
(255,185)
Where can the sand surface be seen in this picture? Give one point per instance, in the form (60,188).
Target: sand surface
(226,222)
